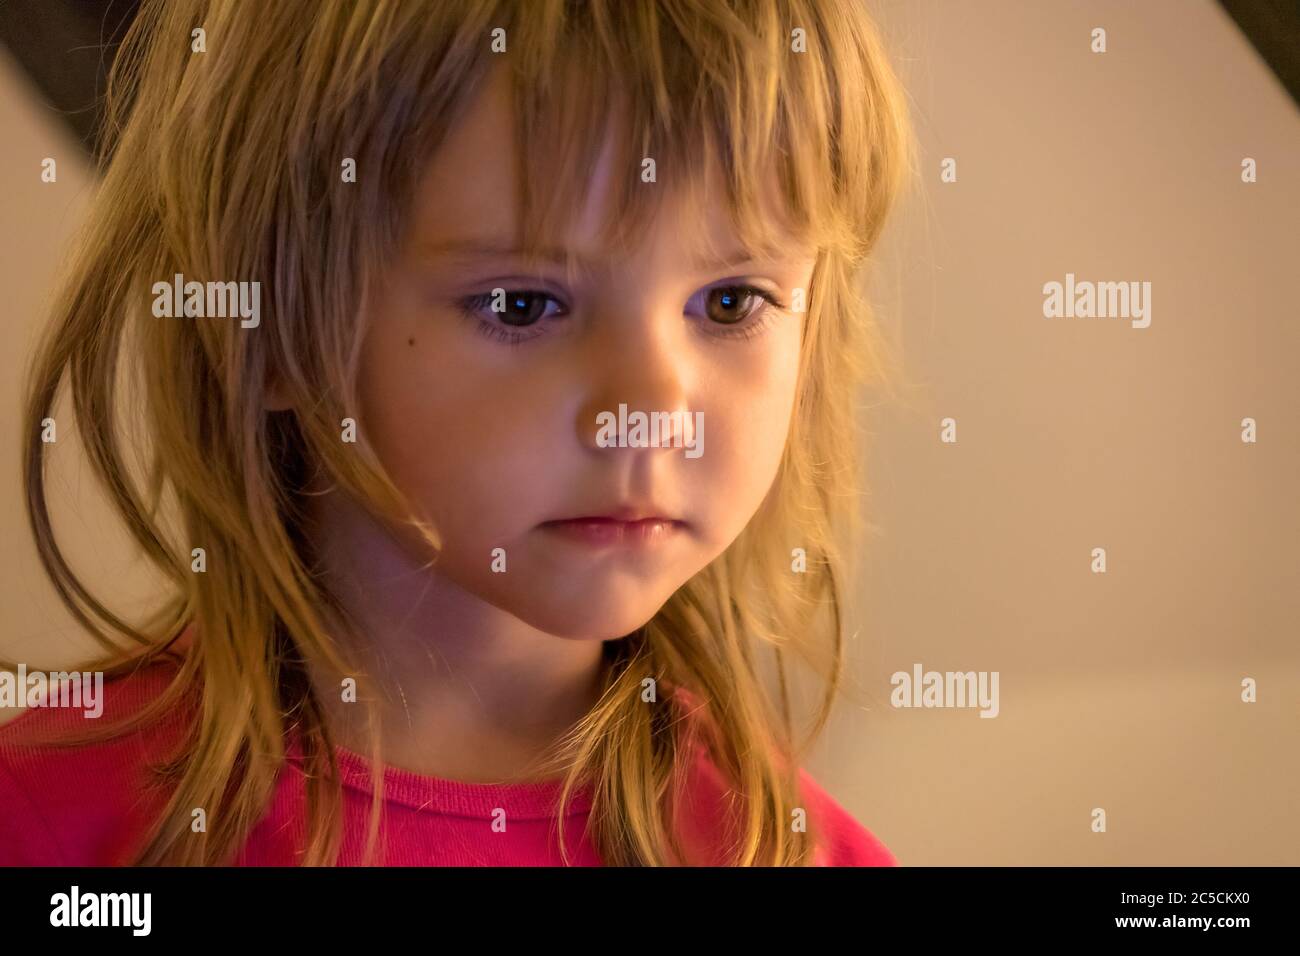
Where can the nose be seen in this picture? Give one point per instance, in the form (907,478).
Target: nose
(636,367)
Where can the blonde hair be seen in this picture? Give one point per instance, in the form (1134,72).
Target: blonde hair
(227,164)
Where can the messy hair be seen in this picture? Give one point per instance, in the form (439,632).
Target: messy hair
(228,164)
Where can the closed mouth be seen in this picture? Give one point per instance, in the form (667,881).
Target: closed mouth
(604,529)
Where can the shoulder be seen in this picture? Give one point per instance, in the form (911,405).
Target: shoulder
(841,839)
(81,804)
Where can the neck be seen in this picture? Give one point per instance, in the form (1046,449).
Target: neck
(460,689)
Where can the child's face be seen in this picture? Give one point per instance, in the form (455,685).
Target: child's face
(492,426)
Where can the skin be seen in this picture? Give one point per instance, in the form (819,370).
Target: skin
(483,671)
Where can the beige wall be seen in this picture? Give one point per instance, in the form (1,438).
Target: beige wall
(1119,691)
(1122,690)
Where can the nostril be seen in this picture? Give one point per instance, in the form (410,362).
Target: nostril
(636,428)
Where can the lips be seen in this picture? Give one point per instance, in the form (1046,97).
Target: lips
(624,526)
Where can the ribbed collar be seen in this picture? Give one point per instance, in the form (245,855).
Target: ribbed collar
(534,800)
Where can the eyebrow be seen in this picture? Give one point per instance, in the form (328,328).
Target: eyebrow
(491,249)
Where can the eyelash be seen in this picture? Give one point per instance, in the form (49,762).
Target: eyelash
(748,328)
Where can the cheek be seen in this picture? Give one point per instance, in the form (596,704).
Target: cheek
(461,442)
(749,408)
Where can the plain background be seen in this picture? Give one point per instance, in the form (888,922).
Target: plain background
(1118,691)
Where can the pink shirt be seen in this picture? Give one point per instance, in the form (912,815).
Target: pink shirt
(88,806)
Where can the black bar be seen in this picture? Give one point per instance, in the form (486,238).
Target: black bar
(971,904)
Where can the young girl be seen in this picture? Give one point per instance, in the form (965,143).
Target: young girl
(427,606)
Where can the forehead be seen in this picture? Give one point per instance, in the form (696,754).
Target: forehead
(469,192)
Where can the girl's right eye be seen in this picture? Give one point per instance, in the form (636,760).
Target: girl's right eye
(502,311)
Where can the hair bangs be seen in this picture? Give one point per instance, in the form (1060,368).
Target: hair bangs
(688,102)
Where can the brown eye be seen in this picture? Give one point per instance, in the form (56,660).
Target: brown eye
(740,309)
(730,305)
(519,308)
(523,308)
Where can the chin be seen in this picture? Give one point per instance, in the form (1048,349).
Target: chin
(594,618)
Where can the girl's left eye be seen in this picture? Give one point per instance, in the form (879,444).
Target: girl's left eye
(735,309)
